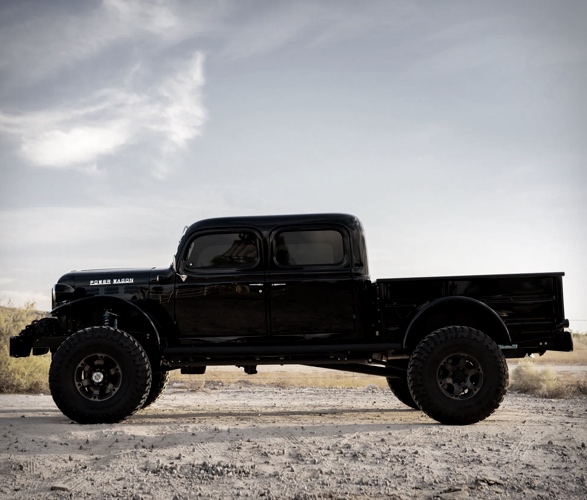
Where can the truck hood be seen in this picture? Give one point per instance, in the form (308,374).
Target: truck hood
(129,284)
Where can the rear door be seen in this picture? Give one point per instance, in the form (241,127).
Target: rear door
(220,292)
(310,285)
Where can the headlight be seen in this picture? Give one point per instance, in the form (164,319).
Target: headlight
(61,292)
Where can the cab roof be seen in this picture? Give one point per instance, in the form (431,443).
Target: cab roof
(267,223)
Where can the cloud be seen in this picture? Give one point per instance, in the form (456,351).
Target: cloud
(156,17)
(80,145)
(112,79)
(179,113)
(273,26)
(117,76)
(39,42)
(165,114)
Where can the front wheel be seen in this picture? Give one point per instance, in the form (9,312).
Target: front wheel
(458,375)
(158,385)
(100,375)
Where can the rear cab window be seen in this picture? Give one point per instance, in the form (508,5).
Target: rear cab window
(309,247)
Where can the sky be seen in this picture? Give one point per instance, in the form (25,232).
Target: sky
(455,130)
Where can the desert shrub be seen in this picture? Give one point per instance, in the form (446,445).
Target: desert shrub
(580,341)
(20,374)
(544,382)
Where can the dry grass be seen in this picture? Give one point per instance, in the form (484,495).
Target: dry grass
(20,374)
(529,378)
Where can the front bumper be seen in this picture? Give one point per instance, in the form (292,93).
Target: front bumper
(40,336)
(20,347)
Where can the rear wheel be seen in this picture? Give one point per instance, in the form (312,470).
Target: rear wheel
(458,375)
(100,375)
(400,389)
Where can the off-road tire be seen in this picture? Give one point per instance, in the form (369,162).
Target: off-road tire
(158,385)
(400,389)
(458,375)
(100,375)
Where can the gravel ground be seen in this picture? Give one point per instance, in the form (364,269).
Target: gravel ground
(268,442)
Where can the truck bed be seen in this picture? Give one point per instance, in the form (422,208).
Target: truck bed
(530,305)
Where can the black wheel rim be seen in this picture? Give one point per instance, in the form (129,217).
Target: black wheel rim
(460,376)
(98,377)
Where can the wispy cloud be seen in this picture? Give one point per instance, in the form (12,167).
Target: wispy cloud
(76,135)
(117,77)
(75,146)
(39,42)
(274,26)
(70,119)
(179,113)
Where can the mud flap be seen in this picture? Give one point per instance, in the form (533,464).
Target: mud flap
(562,342)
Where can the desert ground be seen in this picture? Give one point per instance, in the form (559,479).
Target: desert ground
(228,440)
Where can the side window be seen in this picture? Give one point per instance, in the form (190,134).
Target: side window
(223,251)
(308,248)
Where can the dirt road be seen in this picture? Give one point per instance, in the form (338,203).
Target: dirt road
(268,442)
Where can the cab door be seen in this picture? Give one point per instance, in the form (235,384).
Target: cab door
(310,285)
(220,292)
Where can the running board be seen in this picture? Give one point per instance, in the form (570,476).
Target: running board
(379,371)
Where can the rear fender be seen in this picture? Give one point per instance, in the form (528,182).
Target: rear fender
(456,311)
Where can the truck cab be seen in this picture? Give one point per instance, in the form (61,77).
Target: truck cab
(270,279)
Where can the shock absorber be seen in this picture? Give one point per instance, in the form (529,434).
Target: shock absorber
(110,319)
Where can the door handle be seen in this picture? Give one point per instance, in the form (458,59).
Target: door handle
(277,284)
(257,285)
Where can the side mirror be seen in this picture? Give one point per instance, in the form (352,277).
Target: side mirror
(177,267)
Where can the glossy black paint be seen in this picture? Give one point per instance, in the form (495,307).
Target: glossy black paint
(269,301)
(529,305)
(276,311)
(128,284)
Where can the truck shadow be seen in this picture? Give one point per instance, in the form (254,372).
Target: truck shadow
(26,420)
(171,414)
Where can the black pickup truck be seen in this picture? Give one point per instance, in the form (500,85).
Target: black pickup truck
(295,289)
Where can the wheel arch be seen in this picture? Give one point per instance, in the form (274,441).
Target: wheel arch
(97,311)
(452,311)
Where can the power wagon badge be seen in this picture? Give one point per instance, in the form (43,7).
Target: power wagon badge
(115,281)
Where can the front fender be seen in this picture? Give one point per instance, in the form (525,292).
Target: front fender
(456,311)
(91,305)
